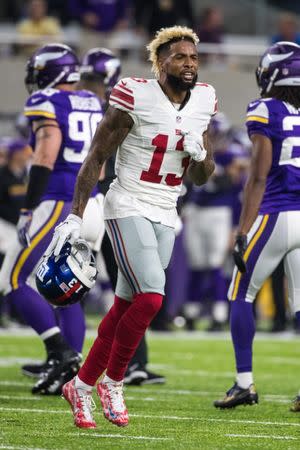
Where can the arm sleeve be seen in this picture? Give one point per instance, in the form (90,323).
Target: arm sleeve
(39,107)
(257,120)
(123,97)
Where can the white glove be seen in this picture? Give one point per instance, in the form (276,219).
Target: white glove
(193,145)
(69,230)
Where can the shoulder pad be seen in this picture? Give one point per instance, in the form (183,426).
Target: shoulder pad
(39,106)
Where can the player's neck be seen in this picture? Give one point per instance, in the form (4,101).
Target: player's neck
(66,86)
(175,96)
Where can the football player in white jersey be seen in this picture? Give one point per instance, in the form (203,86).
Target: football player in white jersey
(160,129)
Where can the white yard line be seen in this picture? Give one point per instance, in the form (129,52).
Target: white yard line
(261,436)
(19,397)
(130,391)
(10,447)
(177,335)
(149,416)
(123,436)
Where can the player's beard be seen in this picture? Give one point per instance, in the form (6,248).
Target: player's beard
(178,84)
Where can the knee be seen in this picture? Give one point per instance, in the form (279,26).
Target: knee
(154,280)
(149,302)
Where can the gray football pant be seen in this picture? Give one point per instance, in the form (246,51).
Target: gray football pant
(142,250)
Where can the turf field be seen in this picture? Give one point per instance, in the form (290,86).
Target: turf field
(177,415)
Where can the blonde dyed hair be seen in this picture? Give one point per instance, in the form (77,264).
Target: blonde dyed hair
(165,35)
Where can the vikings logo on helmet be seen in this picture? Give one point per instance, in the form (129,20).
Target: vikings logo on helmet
(63,280)
(279,66)
(50,65)
(103,62)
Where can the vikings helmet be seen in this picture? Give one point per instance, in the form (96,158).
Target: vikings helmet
(102,62)
(279,66)
(63,280)
(50,65)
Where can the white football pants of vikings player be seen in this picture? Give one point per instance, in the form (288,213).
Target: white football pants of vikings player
(272,237)
(143,250)
(207,235)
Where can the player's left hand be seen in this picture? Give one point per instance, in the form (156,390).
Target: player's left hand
(69,230)
(23,226)
(193,145)
(238,252)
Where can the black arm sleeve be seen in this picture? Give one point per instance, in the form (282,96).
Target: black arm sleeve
(38,182)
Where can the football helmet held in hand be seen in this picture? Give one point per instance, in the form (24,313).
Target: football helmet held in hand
(63,280)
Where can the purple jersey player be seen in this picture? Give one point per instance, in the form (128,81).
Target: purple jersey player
(269,226)
(63,122)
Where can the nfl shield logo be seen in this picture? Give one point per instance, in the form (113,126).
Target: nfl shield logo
(178,119)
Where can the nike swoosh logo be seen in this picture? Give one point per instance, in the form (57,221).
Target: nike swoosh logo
(34,100)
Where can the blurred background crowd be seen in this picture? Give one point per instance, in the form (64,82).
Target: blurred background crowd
(233,34)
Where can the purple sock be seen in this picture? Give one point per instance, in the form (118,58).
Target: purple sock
(242,332)
(297,314)
(218,288)
(196,285)
(72,325)
(33,309)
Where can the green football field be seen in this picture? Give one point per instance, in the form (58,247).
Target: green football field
(177,415)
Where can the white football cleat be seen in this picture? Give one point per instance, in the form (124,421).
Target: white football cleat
(112,400)
(82,404)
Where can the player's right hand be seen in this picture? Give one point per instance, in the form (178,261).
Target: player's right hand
(23,226)
(193,145)
(238,252)
(69,230)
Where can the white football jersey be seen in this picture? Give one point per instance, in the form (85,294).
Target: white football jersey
(151,162)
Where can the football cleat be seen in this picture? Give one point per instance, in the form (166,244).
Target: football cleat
(238,396)
(137,375)
(112,401)
(296,404)
(82,404)
(57,372)
(34,370)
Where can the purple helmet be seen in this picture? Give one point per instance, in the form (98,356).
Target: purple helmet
(279,66)
(50,65)
(101,61)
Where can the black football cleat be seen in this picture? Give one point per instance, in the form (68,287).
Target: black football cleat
(238,396)
(295,404)
(57,372)
(34,370)
(137,375)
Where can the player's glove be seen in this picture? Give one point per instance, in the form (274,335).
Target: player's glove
(69,230)
(238,252)
(23,226)
(193,145)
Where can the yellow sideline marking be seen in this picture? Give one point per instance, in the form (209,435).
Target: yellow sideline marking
(34,243)
(247,253)
(40,113)
(257,119)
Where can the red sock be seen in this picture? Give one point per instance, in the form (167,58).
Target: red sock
(130,330)
(97,359)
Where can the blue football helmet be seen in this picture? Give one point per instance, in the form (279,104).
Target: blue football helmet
(279,66)
(50,65)
(63,280)
(101,61)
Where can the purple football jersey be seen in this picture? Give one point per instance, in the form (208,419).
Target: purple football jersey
(280,122)
(78,114)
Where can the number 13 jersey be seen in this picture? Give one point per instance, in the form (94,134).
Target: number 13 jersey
(151,162)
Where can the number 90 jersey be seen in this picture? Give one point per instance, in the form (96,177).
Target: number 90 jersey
(77,114)
(280,122)
(151,162)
